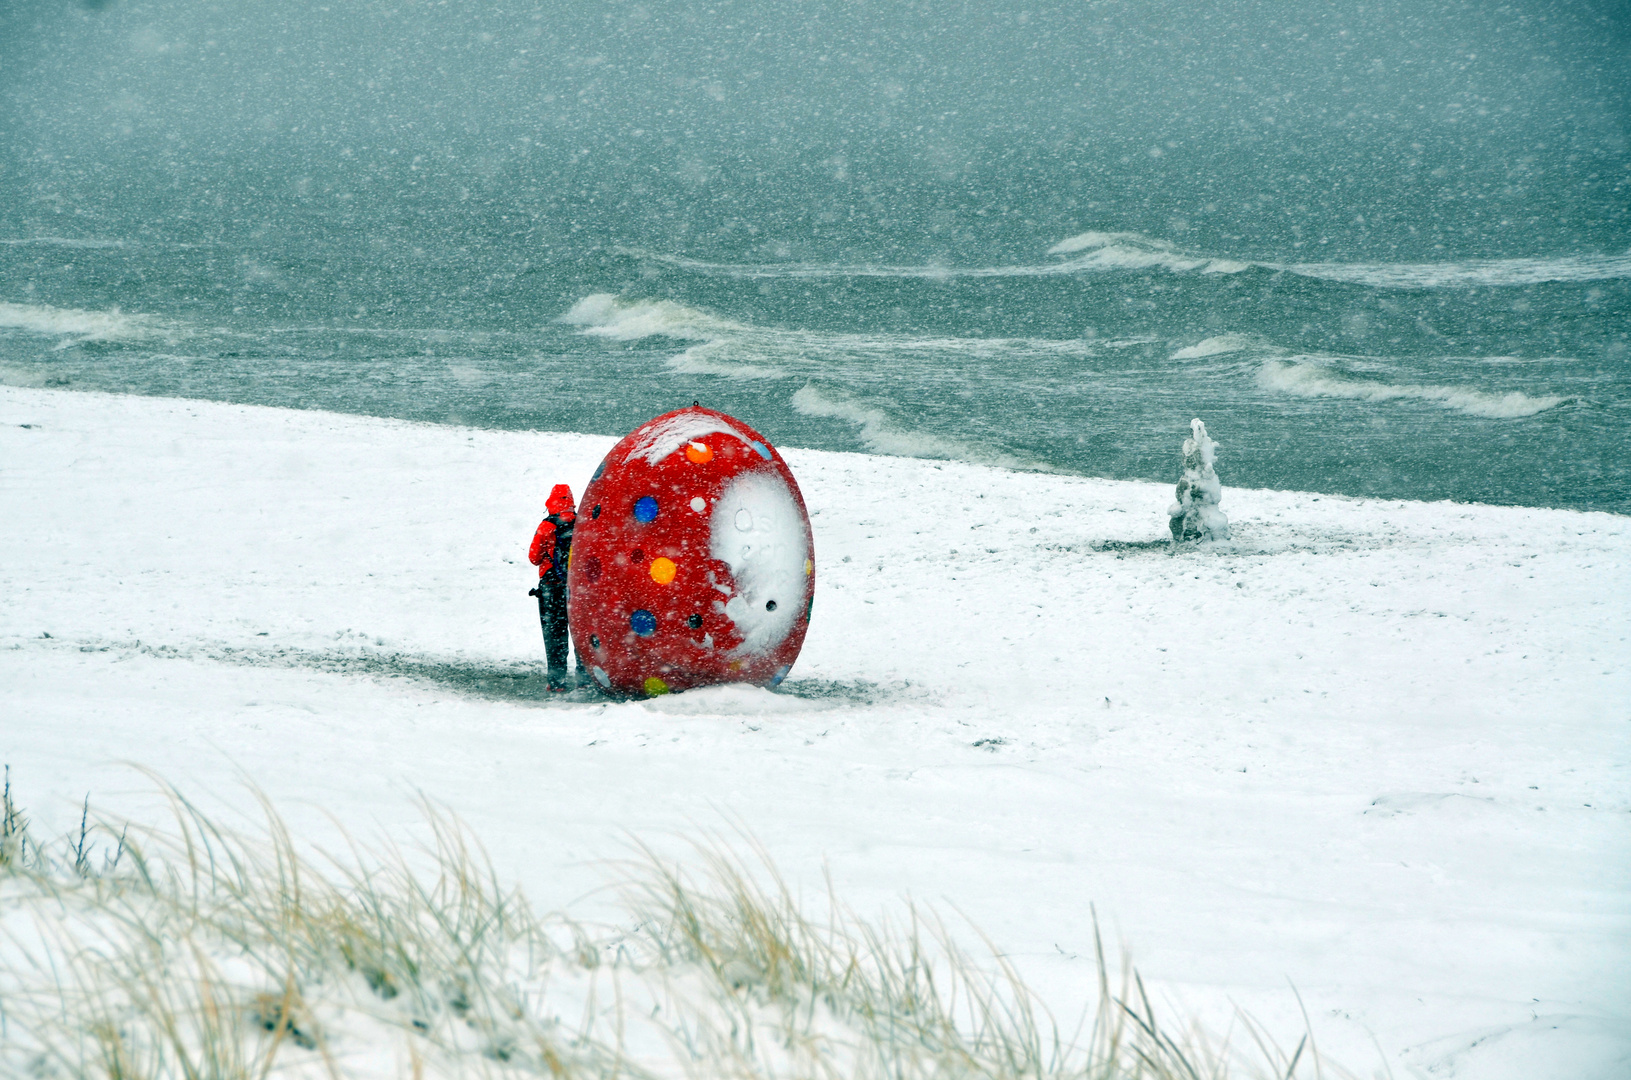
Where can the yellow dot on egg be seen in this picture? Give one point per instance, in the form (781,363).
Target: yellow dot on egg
(699,453)
(655,686)
(809,567)
(662,571)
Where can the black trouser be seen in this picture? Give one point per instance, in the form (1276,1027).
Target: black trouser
(552,614)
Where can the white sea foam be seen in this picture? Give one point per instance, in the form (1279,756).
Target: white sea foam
(725,348)
(1130,251)
(63,241)
(810,270)
(736,350)
(1472,273)
(1310,379)
(882,435)
(1092,239)
(1108,250)
(75,325)
(1215,346)
(718,358)
(605,315)
(1111,250)
(1100,252)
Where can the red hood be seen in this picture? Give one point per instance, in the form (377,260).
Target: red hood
(560,500)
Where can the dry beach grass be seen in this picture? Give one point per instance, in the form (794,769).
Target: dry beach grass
(193,951)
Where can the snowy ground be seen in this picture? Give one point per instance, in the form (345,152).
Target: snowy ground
(1375,750)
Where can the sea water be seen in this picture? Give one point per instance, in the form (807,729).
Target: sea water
(1057,269)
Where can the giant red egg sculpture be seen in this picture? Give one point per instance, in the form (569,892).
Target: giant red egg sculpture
(692,559)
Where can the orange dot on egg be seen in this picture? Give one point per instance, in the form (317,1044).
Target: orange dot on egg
(699,453)
(662,571)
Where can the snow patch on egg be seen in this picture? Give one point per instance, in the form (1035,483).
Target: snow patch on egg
(661,439)
(758,531)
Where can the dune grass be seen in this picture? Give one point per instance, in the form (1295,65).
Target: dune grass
(194,952)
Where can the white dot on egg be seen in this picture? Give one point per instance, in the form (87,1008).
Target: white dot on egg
(699,504)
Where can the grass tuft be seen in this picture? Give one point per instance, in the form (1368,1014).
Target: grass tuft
(193,952)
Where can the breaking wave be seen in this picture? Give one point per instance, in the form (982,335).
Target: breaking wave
(1134,251)
(77,325)
(1216,346)
(1131,251)
(1090,252)
(605,315)
(881,434)
(863,363)
(742,351)
(1472,273)
(1104,252)
(868,366)
(1318,380)
(908,395)
(724,347)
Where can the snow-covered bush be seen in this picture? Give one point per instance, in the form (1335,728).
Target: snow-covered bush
(1195,514)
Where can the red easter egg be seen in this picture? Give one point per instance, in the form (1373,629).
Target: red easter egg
(692,559)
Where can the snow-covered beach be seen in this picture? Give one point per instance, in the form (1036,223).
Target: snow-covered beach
(1373,750)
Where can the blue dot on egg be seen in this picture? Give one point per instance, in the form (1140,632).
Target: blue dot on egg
(643,622)
(645,509)
(762,450)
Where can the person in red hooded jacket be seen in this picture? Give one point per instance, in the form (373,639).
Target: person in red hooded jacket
(551,548)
